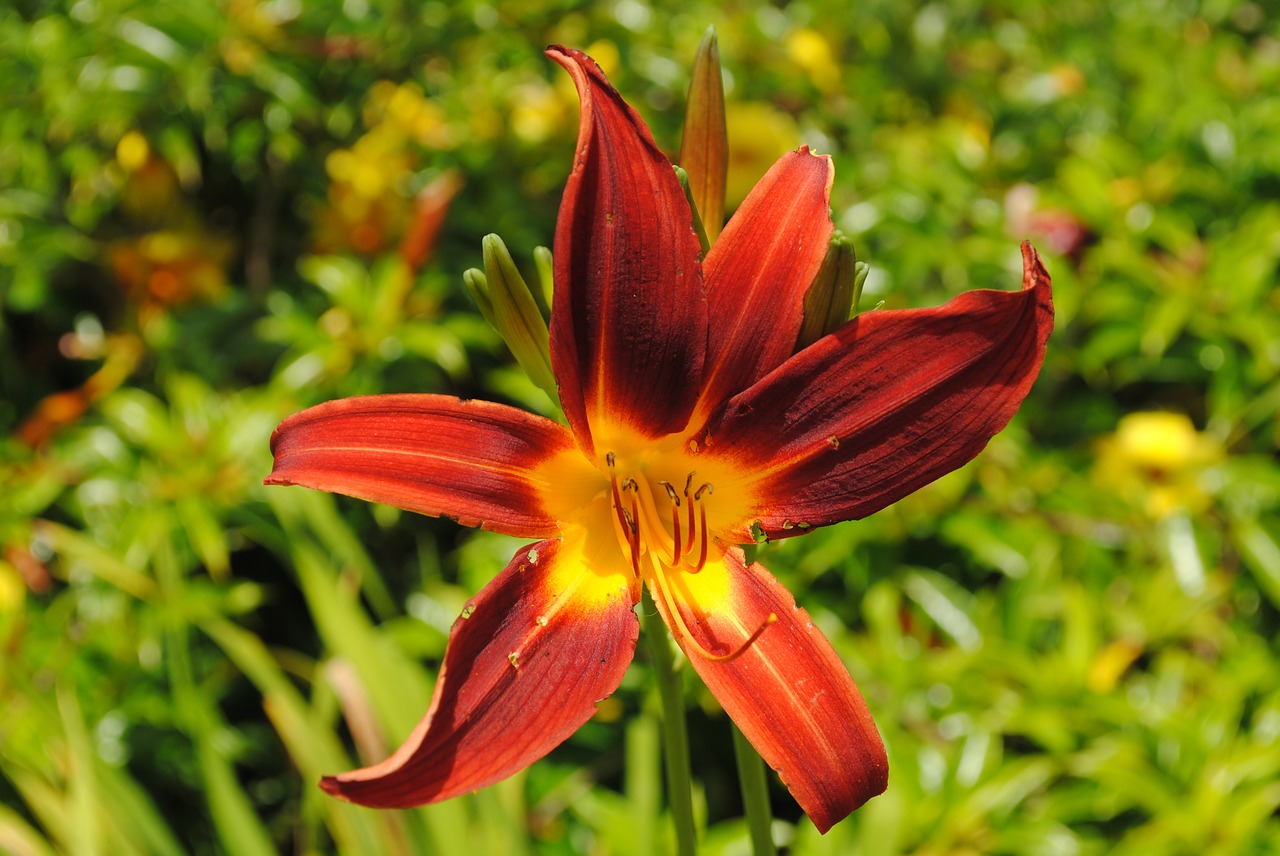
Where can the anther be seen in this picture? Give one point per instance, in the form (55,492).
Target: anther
(688,484)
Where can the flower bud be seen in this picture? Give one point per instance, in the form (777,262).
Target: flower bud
(833,296)
(478,287)
(546,278)
(515,313)
(704,147)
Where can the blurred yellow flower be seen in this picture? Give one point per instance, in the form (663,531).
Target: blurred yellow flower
(810,50)
(150,192)
(1110,664)
(132,151)
(1159,460)
(370,199)
(537,110)
(759,134)
(13,593)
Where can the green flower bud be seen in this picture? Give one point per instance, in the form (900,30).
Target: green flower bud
(833,296)
(546,278)
(478,288)
(515,314)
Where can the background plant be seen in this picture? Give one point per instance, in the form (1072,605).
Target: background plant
(215,213)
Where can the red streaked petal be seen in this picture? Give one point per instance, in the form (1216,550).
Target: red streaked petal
(527,662)
(757,273)
(788,691)
(629,323)
(434,454)
(887,403)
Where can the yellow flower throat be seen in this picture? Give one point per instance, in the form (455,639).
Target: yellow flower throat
(664,524)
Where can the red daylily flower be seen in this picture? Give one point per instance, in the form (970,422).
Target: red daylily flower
(690,422)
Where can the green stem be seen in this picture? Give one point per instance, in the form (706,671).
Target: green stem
(676,737)
(755,794)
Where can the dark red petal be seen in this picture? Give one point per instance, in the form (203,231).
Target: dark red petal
(886,404)
(788,691)
(757,273)
(629,317)
(434,454)
(527,662)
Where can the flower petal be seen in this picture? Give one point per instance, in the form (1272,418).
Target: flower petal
(527,662)
(759,270)
(434,454)
(629,319)
(788,691)
(886,404)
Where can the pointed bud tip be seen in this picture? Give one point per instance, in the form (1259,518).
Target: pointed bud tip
(709,46)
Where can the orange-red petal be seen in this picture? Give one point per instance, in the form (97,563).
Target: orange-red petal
(434,454)
(629,326)
(886,404)
(759,270)
(526,664)
(788,691)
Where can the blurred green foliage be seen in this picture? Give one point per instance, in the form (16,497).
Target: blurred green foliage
(213,214)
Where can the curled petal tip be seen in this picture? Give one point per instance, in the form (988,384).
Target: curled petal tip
(1034,273)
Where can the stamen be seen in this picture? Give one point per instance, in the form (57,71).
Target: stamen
(653,531)
(613,484)
(627,525)
(688,483)
(635,534)
(701,532)
(676,552)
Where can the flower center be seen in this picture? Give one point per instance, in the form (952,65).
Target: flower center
(641,528)
(656,551)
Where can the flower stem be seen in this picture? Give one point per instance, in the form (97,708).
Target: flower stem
(675,736)
(755,794)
